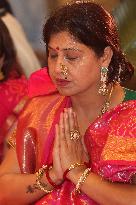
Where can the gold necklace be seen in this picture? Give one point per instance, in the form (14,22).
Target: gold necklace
(107,102)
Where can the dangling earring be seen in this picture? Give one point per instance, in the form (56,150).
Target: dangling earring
(103,87)
(64,70)
(120,69)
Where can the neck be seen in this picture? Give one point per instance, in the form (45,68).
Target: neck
(87,102)
(92,102)
(89,106)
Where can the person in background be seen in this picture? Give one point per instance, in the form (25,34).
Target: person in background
(75,141)
(13,85)
(25,54)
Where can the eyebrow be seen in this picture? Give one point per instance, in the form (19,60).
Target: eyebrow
(66,49)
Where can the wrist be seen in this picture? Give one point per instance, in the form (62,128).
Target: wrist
(54,177)
(74,174)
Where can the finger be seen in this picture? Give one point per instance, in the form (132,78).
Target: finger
(56,141)
(75,120)
(62,130)
(56,136)
(71,119)
(61,127)
(67,126)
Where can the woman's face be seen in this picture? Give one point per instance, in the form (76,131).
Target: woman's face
(81,62)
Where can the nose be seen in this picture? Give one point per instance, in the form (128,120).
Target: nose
(58,67)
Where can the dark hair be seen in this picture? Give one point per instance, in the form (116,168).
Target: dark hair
(93,26)
(6,49)
(5,7)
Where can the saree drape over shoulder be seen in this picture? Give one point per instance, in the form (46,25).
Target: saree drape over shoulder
(110,140)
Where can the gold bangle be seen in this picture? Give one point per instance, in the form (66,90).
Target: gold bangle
(39,175)
(72,166)
(82,180)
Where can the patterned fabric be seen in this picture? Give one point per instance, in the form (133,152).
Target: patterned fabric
(11,93)
(110,142)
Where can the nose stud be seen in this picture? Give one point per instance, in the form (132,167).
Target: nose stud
(64,70)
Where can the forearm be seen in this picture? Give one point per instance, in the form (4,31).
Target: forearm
(20,189)
(105,192)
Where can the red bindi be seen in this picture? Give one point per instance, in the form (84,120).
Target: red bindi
(57,48)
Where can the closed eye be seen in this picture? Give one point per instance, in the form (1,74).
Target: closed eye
(71,58)
(52,56)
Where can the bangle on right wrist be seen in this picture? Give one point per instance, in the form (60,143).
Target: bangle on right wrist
(82,180)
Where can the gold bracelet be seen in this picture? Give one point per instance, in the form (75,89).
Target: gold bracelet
(39,175)
(72,166)
(82,180)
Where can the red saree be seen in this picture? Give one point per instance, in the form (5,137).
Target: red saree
(110,141)
(12,92)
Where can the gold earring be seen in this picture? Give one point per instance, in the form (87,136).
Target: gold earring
(64,70)
(103,87)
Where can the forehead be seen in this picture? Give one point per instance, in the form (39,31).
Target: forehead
(63,39)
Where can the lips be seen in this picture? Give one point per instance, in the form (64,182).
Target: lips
(62,82)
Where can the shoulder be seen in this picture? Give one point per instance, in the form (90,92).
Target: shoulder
(127,107)
(123,119)
(40,84)
(17,85)
(12,80)
(124,110)
(12,90)
(37,105)
(41,91)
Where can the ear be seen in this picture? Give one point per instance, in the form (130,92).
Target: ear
(106,57)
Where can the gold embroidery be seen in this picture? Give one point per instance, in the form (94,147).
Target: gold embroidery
(120,148)
(12,139)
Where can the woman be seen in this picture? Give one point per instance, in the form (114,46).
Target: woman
(13,86)
(75,140)
(26,59)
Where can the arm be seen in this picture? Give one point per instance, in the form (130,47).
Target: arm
(105,192)
(17,187)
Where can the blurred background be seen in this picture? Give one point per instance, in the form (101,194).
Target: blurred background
(33,13)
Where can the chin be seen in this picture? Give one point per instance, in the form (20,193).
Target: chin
(66,92)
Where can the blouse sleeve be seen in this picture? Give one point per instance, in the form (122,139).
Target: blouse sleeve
(118,157)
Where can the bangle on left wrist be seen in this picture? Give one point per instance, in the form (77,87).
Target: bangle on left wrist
(51,182)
